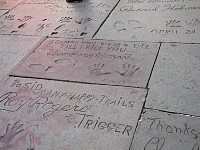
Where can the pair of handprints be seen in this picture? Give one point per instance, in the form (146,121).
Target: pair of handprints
(129,70)
(96,70)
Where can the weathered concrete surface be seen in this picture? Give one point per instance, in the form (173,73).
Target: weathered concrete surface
(175,83)
(93,61)
(38,114)
(12,50)
(57,18)
(2,12)
(9,4)
(152,20)
(60,115)
(163,131)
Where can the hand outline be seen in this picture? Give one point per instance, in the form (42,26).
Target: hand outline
(129,71)
(96,70)
(10,134)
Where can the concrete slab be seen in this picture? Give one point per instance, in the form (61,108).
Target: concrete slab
(12,50)
(92,61)
(159,130)
(44,114)
(153,20)
(9,4)
(58,18)
(175,83)
(2,12)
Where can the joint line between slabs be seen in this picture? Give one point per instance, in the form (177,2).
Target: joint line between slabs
(105,19)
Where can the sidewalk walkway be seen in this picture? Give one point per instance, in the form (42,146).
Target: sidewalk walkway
(100,75)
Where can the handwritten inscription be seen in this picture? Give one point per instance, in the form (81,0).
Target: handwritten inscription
(64,24)
(89,122)
(42,1)
(40,27)
(155,143)
(65,19)
(77,108)
(11,101)
(162,131)
(160,125)
(96,46)
(160,5)
(171,27)
(25,18)
(107,62)
(152,24)
(159,1)
(91,55)
(10,17)
(174,27)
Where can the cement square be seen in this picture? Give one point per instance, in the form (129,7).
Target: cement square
(45,114)
(91,61)
(164,131)
(2,12)
(56,18)
(153,20)
(175,84)
(12,50)
(9,4)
